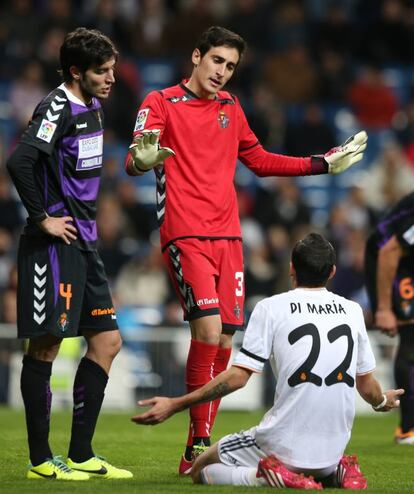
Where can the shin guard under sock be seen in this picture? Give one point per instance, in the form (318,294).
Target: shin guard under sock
(220,365)
(37,398)
(88,395)
(199,371)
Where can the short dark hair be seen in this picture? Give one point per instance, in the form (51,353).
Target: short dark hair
(220,36)
(313,259)
(85,48)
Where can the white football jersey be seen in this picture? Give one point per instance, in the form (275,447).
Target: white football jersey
(316,343)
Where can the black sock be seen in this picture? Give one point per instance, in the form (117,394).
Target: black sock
(37,398)
(88,395)
(404,375)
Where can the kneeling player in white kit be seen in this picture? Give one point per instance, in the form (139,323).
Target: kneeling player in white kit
(319,351)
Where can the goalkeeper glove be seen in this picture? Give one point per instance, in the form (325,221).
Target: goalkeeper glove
(146,152)
(340,158)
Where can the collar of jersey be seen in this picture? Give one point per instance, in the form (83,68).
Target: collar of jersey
(193,95)
(71,96)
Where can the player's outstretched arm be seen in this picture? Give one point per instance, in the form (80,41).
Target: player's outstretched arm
(162,407)
(370,390)
(145,152)
(340,158)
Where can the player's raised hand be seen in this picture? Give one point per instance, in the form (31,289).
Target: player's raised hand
(59,227)
(347,154)
(146,152)
(161,408)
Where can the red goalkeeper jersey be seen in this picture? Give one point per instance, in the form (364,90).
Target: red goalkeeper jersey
(195,188)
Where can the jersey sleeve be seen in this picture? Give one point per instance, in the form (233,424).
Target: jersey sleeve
(263,163)
(257,342)
(365,356)
(151,114)
(48,124)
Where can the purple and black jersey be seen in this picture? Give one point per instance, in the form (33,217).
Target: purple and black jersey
(69,136)
(398,221)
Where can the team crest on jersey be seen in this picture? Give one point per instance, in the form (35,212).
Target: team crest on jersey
(141,119)
(46,130)
(63,322)
(223,119)
(237,310)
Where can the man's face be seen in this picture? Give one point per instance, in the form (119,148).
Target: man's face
(97,81)
(213,70)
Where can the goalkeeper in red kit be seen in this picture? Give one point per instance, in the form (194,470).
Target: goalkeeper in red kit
(192,135)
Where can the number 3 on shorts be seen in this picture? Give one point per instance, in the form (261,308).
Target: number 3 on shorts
(239,275)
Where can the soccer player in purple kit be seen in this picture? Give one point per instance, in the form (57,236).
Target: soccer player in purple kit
(56,169)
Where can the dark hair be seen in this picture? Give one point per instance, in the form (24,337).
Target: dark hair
(313,259)
(85,48)
(220,36)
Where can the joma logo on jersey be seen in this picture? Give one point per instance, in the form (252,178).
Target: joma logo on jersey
(223,119)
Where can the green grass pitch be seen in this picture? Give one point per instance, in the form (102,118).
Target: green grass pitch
(153,453)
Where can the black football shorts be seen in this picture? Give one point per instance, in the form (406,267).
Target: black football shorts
(62,290)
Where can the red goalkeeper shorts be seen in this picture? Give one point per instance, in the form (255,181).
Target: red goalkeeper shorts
(208,278)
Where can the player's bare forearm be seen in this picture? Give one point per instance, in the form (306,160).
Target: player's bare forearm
(388,258)
(162,407)
(370,390)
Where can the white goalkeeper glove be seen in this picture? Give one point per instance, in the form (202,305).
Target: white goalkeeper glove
(340,158)
(146,152)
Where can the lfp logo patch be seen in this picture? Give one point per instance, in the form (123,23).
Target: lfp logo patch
(46,130)
(141,119)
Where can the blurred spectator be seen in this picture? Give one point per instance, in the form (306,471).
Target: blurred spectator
(291,75)
(6,257)
(106,17)
(311,135)
(261,275)
(115,245)
(148,31)
(59,14)
(143,280)
(373,102)
(349,280)
(360,215)
(11,210)
(279,203)
(251,19)
(26,91)
(390,177)
(48,55)
(265,116)
(8,306)
(383,40)
(140,217)
(288,26)
(192,18)
(19,30)
(403,124)
(120,109)
(335,75)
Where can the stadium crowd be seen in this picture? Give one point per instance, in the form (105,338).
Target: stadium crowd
(315,72)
